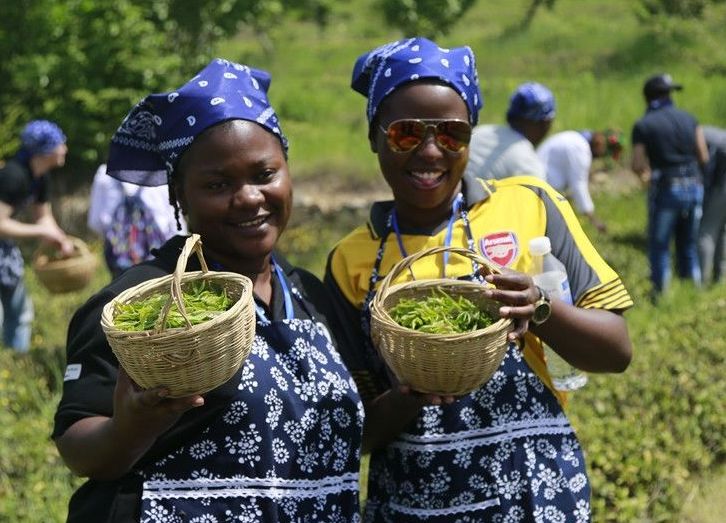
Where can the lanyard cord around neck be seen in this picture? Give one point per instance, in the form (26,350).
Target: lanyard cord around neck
(455,212)
(286,294)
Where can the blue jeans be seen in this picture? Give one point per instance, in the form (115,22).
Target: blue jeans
(674,209)
(16,316)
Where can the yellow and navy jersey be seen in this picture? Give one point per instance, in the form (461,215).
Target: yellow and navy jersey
(504,215)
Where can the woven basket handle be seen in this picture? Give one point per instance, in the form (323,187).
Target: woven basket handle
(405,264)
(193,244)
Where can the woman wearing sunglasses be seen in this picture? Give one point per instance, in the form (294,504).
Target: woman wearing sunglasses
(506,452)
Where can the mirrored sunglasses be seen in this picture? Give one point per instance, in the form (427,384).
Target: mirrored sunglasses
(405,135)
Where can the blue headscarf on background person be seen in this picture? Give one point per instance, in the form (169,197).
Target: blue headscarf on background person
(39,137)
(532,101)
(153,136)
(377,73)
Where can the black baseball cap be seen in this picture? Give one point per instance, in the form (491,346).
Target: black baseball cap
(660,84)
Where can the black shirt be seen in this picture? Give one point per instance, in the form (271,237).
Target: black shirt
(19,188)
(669,137)
(91,393)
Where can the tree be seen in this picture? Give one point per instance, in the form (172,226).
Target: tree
(85,63)
(430,18)
(534,6)
(677,8)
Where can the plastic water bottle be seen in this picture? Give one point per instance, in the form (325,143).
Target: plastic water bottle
(550,274)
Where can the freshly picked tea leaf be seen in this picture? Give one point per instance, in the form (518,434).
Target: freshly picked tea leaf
(440,313)
(202,302)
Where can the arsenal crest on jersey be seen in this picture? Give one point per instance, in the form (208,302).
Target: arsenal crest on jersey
(500,248)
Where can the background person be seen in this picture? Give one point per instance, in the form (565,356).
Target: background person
(279,442)
(25,184)
(567,157)
(132,219)
(669,151)
(712,231)
(505,452)
(501,151)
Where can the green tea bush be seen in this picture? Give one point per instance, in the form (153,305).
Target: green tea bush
(651,432)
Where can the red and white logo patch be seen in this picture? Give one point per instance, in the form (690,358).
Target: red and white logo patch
(501,248)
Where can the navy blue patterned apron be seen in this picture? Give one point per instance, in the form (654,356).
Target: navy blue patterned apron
(506,453)
(287,449)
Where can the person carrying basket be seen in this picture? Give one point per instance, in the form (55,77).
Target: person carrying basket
(280,440)
(25,181)
(505,451)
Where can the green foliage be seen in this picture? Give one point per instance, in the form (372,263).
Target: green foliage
(85,63)
(677,8)
(440,313)
(430,18)
(202,302)
(82,64)
(35,485)
(649,433)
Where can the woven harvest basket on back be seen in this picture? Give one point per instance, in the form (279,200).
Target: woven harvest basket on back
(194,359)
(444,364)
(64,274)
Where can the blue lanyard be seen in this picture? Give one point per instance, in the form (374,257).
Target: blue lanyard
(287,296)
(455,210)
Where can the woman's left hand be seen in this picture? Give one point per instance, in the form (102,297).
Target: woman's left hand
(517,293)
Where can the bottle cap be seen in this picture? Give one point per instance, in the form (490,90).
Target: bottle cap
(540,246)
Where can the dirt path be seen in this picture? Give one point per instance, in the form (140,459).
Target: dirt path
(330,195)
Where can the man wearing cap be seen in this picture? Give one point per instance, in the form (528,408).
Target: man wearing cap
(567,158)
(501,151)
(24,184)
(669,152)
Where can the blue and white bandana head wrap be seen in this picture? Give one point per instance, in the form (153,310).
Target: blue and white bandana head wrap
(532,101)
(157,131)
(41,137)
(378,73)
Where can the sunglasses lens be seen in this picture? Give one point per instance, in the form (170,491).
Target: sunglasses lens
(405,135)
(453,135)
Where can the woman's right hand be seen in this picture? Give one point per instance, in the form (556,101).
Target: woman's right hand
(425,397)
(143,415)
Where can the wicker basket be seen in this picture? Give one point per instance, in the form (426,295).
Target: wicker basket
(65,274)
(194,359)
(444,364)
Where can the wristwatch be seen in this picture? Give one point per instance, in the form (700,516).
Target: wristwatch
(542,307)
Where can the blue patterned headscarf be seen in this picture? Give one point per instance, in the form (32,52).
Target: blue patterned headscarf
(532,101)
(153,136)
(377,73)
(40,137)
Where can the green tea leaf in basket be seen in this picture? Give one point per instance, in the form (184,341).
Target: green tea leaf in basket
(440,313)
(202,301)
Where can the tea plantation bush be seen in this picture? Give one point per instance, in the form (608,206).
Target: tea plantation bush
(650,432)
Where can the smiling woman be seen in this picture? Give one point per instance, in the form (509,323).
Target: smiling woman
(290,418)
(239,203)
(506,451)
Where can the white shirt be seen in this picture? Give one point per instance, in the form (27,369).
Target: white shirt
(567,158)
(498,151)
(107,194)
